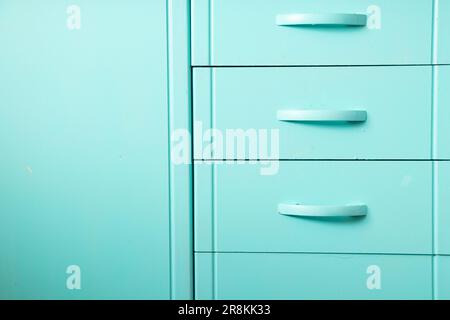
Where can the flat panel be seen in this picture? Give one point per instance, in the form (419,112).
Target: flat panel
(203,208)
(442,112)
(442,277)
(246,33)
(181,216)
(443,31)
(442,206)
(200,39)
(83,134)
(204,276)
(245,207)
(397,101)
(304,276)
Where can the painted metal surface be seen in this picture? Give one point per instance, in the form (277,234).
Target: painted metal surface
(236,33)
(89,94)
(313,276)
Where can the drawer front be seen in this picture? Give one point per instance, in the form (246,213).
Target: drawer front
(311,32)
(442,207)
(384,207)
(442,40)
(305,276)
(442,277)
(395,103)
(442,112)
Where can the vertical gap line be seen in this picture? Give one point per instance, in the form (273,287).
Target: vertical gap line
(193,171)
(169,122)
(434,164)
(191,130)
(214,176)
(192,184)
(435,31)
(213,238)
(433,186)
(434,147)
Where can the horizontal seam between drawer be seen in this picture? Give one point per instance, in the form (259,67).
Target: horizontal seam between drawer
(318,253)
(323,160)
(321,65)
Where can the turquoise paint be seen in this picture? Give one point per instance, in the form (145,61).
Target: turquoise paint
(203,206)
(442,38)
(86,180)
(179,71)
(317,276)
(84,138)
(442,110)
(398,124)
(442,207)
(234,32)
(200,32)
(204,275)
(442,277)
(246,219)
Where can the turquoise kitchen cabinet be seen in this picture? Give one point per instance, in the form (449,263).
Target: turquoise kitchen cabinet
(308,32)
(314,206)
(320,113)
(336,113)
(312,276)
(442,206)
(442,112)
(442,32)
(85,206)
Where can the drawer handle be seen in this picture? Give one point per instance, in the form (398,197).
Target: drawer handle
(312,19)
(322,115)
(298,210)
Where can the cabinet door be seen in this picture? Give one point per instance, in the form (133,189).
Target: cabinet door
(84,153)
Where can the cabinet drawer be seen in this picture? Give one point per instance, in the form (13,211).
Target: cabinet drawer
(442,32)
(382,207)
(312,276)
(442,112)
(395,103)
(311,32)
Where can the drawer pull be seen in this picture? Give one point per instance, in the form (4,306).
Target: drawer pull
(312,19)
(322,115)
(298,210)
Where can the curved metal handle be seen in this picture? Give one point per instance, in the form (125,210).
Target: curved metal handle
(322,115)
(330,19)
(299,210)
